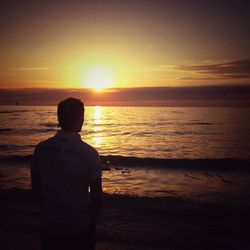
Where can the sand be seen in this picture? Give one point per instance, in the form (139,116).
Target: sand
(136,223)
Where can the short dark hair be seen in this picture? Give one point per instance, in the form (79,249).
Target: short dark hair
(69,111)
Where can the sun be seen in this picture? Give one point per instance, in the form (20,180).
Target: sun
(98,78)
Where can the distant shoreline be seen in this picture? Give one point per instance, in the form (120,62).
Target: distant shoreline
(133,105)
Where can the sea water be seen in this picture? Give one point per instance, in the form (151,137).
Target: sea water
(156,132)
(141,132)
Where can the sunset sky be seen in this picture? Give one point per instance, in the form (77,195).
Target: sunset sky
(124,44)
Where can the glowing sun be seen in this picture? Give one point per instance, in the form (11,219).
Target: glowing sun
(98,78)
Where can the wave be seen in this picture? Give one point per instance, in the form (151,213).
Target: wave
(187,164)
(49,124)
(12,146)
(27,131)
(13,111)
(5,130)
(198,123)
(226,163)
(35,131)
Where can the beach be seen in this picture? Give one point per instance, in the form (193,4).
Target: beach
(136,221)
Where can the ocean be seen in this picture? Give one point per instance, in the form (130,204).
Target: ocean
(155,132)
(182,134)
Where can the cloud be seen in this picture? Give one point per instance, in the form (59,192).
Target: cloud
(239,69)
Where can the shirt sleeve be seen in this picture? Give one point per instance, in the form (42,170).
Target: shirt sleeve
(96,167)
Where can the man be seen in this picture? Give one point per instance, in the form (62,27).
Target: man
(66,181)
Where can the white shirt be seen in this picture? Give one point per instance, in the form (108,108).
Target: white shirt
(65,164)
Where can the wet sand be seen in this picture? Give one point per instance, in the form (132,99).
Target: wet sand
(137,223)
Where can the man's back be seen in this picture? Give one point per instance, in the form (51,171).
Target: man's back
(63,166)
(66,181)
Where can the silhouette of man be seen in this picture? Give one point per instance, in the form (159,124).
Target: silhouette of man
(66,181)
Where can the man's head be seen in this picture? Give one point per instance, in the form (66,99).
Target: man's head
(70,114)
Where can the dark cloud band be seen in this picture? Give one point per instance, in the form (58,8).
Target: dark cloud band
(145,96)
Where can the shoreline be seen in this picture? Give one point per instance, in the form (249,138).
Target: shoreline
(129,222)
(200,180)
(173,163)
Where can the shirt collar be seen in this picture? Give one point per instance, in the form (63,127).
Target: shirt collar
(67,134)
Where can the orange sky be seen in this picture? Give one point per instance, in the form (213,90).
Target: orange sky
(78,44)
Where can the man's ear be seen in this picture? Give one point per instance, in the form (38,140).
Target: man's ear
(80,124)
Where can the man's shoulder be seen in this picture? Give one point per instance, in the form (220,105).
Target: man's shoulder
(44,143)
(79,146)
(88,149)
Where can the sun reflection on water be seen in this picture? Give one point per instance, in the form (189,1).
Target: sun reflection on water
(97,117)
(97,114)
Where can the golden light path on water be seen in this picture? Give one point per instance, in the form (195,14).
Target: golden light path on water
(97,115)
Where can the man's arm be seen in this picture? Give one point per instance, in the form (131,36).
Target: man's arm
(95,198)
(35,178)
